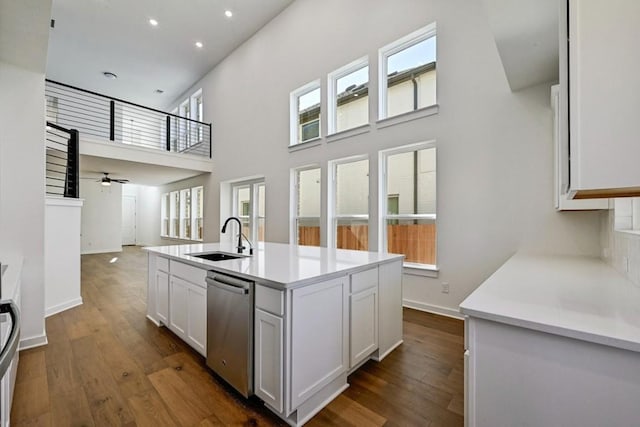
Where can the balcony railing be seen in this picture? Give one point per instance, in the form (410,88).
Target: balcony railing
(61,164)
(102,117)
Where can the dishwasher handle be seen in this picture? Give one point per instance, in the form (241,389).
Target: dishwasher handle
(230,284)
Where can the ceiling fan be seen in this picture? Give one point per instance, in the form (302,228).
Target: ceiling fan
(106,181)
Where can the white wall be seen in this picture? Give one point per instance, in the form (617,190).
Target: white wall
(147,213)
(101,217)
(22,188)
(494,146)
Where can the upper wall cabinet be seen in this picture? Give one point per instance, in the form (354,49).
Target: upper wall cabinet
(602,76)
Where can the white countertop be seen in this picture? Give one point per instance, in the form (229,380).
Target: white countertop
(577,297)
(279,264)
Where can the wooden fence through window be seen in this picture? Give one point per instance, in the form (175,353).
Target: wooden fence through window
(416,241)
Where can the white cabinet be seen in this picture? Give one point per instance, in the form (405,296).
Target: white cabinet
(518,376)
(363,318)
(188,313)
(268,358)
(177,298)
(561,200)
(162,296)
(319,337)
(603,85)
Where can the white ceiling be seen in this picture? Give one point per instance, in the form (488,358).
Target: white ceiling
(92,167)
(94,36)
(526,35)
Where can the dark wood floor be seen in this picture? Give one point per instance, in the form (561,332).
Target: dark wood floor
(107,365)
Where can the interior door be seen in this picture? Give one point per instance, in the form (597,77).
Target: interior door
(128,220)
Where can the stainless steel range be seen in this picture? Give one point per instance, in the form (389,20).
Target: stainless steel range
(230,330)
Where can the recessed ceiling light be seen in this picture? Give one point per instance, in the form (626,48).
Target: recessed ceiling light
(228,13)
(153,22)
(199,44)
(110,75)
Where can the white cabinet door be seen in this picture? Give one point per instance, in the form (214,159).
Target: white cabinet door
(268,358)
(604,84)
(162,297)
(179,292)
(197,318)
(319,337)
(364,325)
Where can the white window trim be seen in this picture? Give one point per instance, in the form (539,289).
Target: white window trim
(181,235)
(253,207)
(332,96)
(293,112)
(164,214)
(331,223)
(293,202)
(383,155)
(183,217)
(194,212)
(385,52)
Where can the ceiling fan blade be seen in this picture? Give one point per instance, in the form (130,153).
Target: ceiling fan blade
(121,181)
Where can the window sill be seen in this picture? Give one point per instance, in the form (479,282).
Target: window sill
(181,239)
(420,270)
(348,133)
(635,232)
(409,116)
(304,145)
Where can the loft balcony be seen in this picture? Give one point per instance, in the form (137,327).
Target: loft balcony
(113,132)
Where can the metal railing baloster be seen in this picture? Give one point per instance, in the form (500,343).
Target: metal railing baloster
(102,117)
(62,161)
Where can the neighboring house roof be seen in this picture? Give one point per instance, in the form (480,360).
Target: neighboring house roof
(353,92)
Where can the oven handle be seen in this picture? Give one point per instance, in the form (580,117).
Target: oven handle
(229,284)
(9,350)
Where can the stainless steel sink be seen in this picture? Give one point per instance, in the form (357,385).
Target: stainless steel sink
(217,256)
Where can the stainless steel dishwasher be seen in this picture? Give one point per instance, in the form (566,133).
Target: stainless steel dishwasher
(230,330)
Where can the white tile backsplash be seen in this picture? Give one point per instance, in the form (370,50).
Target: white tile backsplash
(619,248)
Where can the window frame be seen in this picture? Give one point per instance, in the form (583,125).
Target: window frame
(172,214)
(184,110)
(195,114)
(254,208)
(185,195)
(195,200)
(332,217)
(332,95)
(294,124)
(294,200)
(385,52)
(164,214)
(383,216)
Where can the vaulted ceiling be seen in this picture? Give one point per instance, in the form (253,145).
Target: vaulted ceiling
(91,37)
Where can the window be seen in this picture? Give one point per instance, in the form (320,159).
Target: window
(408,225)
(164,215)
(197,114)
(349,204)
(306,185)
(185,213)
(184,125)
(305,113)
(408,73)
(627,214)
(197,216)
(249,206)
(174,214)
(181,214)
(349,96)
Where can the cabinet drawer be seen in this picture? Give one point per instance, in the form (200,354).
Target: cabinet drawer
(162,264)
(191,274)
(364,280)
(269,299)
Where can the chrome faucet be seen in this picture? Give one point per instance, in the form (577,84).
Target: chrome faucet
(224,230)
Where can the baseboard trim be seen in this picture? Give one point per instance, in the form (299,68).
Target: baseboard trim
(154,321)
(386,353)
(101,251)
(32,342)
(432,308)
(62,307)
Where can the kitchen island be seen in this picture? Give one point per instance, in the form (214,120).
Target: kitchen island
(318,314)
(552,341)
